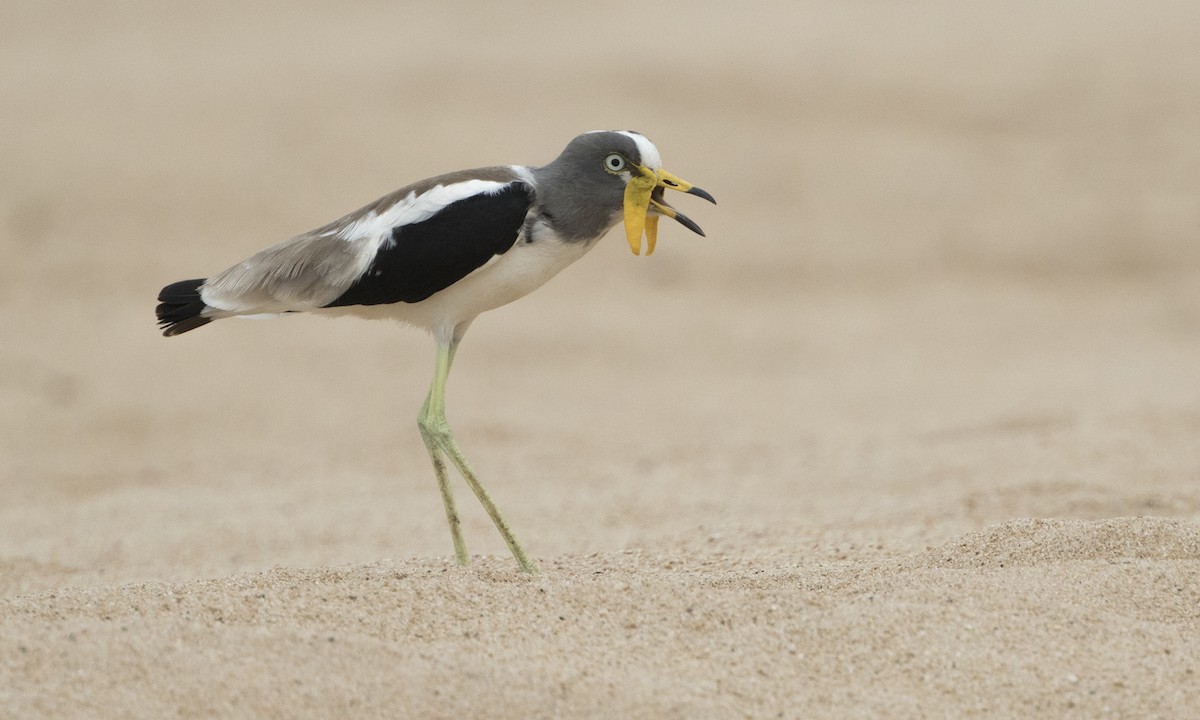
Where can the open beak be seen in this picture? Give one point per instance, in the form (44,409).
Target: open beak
(644,204)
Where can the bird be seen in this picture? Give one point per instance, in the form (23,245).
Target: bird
(439,252)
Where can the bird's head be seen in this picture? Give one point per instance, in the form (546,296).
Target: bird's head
(622,175)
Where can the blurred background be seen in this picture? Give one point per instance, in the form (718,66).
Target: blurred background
(954,275)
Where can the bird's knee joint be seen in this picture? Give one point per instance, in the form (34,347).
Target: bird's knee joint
(433,427)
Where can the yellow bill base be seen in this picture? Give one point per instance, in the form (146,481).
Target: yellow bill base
(638,202)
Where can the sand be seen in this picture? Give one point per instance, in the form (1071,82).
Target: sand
(914,432)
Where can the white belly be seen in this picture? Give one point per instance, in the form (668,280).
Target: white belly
(515,274)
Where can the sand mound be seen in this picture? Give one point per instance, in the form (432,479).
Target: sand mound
(1037,542)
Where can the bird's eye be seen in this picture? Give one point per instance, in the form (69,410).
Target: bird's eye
(614,163)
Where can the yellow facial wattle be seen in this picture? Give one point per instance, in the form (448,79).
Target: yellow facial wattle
(638,201)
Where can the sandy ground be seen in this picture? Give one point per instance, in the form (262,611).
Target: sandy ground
(914,432)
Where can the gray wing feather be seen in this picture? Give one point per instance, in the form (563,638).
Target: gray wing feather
(302,273)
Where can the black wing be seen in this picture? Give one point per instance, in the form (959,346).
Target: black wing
(425,257)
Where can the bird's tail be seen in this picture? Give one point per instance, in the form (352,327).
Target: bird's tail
(179,307)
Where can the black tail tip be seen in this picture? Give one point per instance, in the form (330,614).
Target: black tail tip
(180,306)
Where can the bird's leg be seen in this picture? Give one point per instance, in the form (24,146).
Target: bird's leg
(426,422)
(439,439)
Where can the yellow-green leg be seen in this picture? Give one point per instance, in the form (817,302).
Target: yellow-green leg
(439,469)
(439,440)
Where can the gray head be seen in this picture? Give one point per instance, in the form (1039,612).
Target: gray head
(603,177)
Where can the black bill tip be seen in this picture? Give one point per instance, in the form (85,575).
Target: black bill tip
(701,193)
(686,221)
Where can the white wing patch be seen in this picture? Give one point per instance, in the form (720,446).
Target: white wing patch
(524,174)
(413,209)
